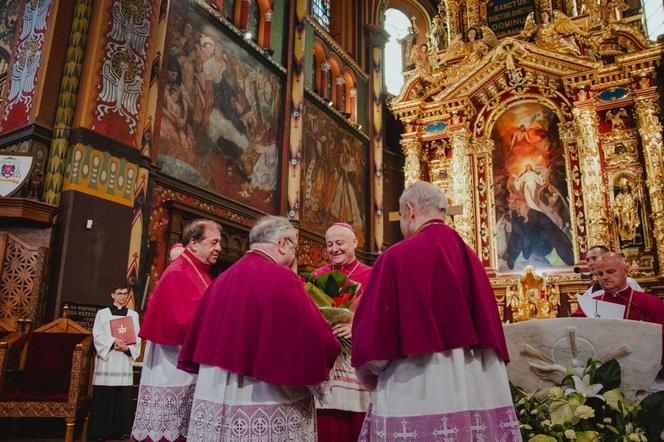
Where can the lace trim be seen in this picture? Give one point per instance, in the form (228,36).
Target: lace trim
(215,422)
(163,412)
(499,424)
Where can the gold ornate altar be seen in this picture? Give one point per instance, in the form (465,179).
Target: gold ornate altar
(549,138)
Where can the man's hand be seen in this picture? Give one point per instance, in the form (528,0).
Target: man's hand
(343,330)
(120,345)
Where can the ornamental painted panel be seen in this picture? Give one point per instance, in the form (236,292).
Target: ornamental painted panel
(101,174)
(530,189)
(22,76)
(218,113)
(123,67)
(334,175)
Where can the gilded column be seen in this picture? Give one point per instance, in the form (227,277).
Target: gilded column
(650,131)
(592,179)
(461,193)
(64,115)
(377,38)
(411,151)
(453,7)
(297,107)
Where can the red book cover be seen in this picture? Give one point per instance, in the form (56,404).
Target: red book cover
(123,328)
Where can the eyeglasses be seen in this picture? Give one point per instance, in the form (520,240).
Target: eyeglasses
(296,246)
(121,292)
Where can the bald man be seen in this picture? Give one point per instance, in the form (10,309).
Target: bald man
(611,272)
(340,417)
(592,255)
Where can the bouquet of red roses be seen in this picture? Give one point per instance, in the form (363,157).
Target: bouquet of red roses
(333,294)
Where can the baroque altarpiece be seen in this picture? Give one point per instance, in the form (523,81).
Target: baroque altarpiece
(541,120)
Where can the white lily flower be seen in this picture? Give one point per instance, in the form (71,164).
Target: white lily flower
(583,387)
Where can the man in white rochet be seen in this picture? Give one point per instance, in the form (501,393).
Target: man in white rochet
(427,336)
(165,393)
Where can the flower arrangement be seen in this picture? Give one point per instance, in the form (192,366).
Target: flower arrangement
(589,407)
(333,293)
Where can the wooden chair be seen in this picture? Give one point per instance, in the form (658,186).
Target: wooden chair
(53,378)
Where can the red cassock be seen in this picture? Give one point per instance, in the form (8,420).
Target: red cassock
(428,293)
(257,320)
(175,300)
(341,417)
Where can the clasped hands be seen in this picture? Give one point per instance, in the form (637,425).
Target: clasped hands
(120,345)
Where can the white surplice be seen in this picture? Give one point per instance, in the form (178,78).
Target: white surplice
(164,396)
(234,408)
(113,368)
(455,395)
(343,391)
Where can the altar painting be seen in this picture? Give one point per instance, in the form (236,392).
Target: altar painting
(219,112)
(530,189)
(334,175)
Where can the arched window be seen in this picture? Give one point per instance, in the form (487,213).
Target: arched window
(321,11)
(654,15)
(396,25)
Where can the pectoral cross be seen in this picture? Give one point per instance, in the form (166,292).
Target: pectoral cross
(446,432)
(122,330)
(478,428)
(404,434)
(451,211)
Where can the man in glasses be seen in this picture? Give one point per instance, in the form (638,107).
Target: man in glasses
(258,344)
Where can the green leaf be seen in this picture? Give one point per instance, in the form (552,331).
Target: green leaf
(651,417)
(331,282)
(542,438)
(608,374)
(561,412)
(587,436)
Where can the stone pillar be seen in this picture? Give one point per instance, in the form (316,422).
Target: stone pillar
(411,151)
(461,189)
(650,130)
(377,38)
(592,178)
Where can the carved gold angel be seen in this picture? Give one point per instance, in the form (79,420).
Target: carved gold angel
(420,58)
(616,118)
(550,33)
(477,44)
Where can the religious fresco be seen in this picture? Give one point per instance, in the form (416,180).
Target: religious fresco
(530,189)
(334,175)
(8,20)
(219,113)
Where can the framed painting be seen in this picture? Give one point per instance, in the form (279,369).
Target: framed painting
(219,111)
(334,174)
(530,190)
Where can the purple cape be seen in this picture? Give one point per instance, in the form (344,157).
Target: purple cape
(426,294)
(257,320)
(174,300)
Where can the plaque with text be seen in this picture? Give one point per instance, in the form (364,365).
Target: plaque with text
(84,314)
(506,17)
